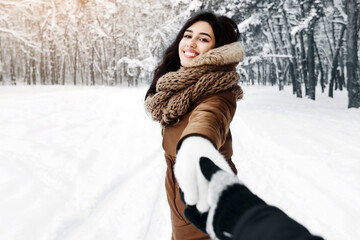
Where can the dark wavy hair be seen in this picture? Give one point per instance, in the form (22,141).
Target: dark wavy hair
(225,31)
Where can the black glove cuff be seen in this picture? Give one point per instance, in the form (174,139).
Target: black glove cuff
(232,204)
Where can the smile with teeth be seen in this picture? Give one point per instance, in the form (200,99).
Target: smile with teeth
(190,54)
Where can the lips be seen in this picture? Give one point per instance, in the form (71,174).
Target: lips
(190,53)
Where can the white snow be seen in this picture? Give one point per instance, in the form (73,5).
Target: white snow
(86,162)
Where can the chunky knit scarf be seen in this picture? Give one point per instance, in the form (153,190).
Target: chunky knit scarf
(210,73)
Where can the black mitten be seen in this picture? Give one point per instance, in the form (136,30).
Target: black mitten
(197,218)
(228,200)
(193,215)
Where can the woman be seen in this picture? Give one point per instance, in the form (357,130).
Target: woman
(193,95)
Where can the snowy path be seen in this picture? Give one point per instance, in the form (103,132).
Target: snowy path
(86,162)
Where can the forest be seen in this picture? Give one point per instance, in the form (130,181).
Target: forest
(307,44)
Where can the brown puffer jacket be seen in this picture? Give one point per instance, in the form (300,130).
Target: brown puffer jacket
(209,118)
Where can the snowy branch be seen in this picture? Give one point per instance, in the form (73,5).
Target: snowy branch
(338,6)
(251,21)
(339,22)
(21,36)
(307,23)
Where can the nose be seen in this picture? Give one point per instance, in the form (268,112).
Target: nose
(191,43)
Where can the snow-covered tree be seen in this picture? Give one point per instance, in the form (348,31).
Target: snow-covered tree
(112,42)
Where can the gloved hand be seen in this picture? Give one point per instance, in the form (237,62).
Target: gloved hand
(228,200)
(187,170)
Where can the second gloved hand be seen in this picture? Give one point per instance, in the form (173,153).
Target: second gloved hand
(187,170)
(228,200)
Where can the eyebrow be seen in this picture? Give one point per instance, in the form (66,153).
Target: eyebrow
(202,33)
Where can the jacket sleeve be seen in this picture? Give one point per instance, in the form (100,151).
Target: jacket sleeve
(211,119)
(267,222)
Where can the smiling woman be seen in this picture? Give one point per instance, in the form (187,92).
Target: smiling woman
(198,39)
(193,95)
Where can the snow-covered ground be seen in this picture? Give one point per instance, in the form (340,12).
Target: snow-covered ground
(86,162)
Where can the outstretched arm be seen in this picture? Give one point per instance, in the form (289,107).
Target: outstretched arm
(236,213)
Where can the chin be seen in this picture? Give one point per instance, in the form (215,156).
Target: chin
(185,63)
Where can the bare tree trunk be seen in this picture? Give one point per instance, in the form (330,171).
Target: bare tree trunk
(258,73)
(27,79)
(52,62)
(333,31)
(33,66)
(251,75)
(92,72)
(75,59)
(268,73)
(115,74)
(42,64)
(327,73)
(81,66)
(277,61)
(63,75)
(46,68)
(136,76)
(303,54)
(26,58)
(322,80)
(283,79)
(12,67)
(113,80)
(101,64)
(121,74)
(113,64)
(105,62)
(293,63)
(128,76)
(303,62)
(352,58)
(263,79)
(341,78)
(286,71)
(42,69)
(328,40)
(335,62)
(311,64)
(57,69)
(311,52)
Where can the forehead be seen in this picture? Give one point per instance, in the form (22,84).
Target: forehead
(201,26)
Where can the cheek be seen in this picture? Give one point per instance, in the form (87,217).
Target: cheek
(181,45)
(206,49)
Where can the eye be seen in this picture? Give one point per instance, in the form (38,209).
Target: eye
(187,36)
(204,40)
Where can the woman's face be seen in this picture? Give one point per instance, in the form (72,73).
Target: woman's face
(197,40)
